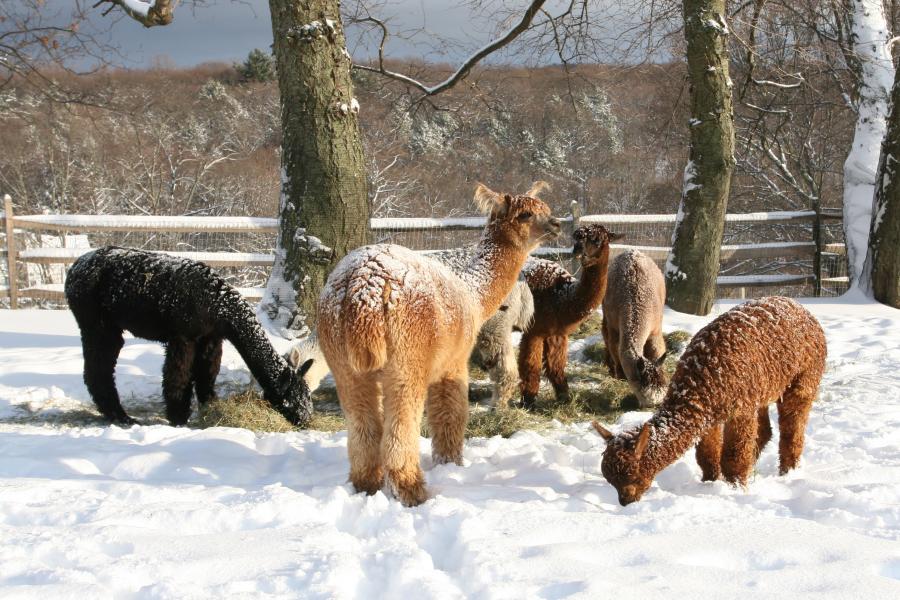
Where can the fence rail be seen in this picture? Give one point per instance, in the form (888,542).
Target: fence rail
(801,250)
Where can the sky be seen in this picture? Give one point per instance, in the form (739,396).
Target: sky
(227,30)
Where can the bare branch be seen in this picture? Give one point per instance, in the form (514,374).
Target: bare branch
(160,12)
(464,69)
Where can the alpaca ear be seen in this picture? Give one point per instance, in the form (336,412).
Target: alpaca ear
(643,440)
(537,188)
(659,361)
(605,433)
(284,381)
(486,199)
(305,367)
(616,237)
(293,356)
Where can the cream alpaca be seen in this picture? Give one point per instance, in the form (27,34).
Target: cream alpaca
(397,329)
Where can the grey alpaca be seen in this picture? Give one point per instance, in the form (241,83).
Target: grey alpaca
(632,325)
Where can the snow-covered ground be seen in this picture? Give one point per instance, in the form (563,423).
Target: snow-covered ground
(160,512)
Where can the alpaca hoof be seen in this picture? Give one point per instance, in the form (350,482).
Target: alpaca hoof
(410,491)
(528,401)
(445,459)
(784,469)
(122,420)
(368,483)
(710,477)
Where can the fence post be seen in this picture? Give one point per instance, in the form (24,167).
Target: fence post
(575,213)
(817,257)
(11,254)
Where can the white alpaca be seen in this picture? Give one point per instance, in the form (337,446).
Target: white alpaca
(494,349)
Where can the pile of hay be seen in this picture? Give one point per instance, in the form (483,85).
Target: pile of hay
(593,394)
(248,410)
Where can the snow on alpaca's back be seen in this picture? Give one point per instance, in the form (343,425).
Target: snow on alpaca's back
(385,282)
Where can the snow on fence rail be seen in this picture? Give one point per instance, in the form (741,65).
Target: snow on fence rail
(256,225)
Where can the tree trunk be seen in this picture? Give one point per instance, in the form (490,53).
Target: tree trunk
(693,265)
(881,273)
(875,74)
(324,210)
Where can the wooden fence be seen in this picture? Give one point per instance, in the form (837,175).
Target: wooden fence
(63,224)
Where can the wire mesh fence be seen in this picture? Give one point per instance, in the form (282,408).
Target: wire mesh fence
(762,254)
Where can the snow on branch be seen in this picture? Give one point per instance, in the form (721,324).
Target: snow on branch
(464,69)
(148,14)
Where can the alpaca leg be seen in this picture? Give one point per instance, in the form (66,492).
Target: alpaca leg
(447,408)
(530,357)
(101,350)
(207,361)
(404,395)
(177,374)
(709,454)
(505,375)
(615,352)
(612,347)
(764,429)
(739,448)
(793,412)
(556,355)
(360,398)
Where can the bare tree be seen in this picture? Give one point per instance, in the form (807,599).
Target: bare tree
(871,59)
(881,272)
(693,264)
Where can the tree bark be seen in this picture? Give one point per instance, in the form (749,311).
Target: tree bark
(874,68)
(324,210)
(693,265)
(881,272)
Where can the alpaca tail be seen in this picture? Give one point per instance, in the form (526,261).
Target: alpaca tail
(366,345)
(365,332)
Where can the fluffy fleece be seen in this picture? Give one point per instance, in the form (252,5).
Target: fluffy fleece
(632,325)
(396,326)
(764,351)
(185,305)
(494,349)
(561,303)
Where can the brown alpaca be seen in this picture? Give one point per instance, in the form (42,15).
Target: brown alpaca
(561,303)
(397,329)
(632,325)
(764,351)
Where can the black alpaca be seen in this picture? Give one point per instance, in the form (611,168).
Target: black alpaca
(185,305)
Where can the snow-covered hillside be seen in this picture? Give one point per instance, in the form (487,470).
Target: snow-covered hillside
(159,512)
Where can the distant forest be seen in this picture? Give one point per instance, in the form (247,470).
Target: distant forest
(205,141)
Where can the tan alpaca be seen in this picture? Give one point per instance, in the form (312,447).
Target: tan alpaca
(632,325)
(397,329)
(764,351)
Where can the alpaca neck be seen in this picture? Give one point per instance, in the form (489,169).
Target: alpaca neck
(673,432)
(247,336)
(591,288)
(494,268)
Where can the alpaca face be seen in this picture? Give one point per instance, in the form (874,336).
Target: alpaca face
(529,221)
(293,400)
(589,242)
(652,380)
(621,465)
(525,220)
